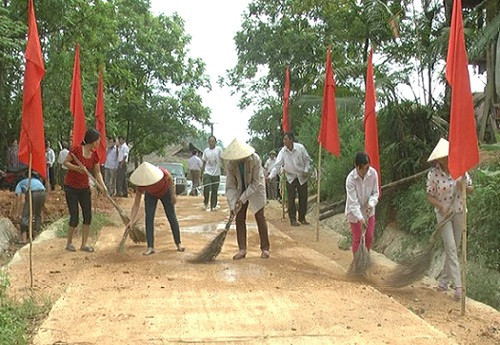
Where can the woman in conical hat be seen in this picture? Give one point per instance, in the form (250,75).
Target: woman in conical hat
(155,183)
(445,195)
(245,186)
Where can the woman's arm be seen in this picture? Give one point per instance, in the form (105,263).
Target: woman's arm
(68,164)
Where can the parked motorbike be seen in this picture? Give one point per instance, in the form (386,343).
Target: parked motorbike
(9,179)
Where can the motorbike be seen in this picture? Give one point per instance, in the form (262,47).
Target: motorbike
(9,179)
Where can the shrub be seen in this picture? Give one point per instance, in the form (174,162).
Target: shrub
(99,220)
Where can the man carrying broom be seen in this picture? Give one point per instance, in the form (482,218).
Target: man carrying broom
(362,197)
(156,184)
(245,185)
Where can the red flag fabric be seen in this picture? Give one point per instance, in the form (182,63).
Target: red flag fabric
(285,125)
(371,132)
(328,135)
(76,102)
(100,122)
(464,152)
(32,138)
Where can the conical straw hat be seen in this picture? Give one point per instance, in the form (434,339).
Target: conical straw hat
(440,151)
(146,174)
(237,150)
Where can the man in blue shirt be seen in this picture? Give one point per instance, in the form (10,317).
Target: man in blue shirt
(38,195)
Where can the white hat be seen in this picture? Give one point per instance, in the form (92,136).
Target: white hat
(440,151)
(146,174)
(237,150)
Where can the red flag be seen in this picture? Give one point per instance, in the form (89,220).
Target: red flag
(371,132)
(32,138)
(76,103)
(328,134)
(464,152)
(100,122)
(286,97)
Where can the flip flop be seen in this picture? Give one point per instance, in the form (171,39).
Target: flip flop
(87,249)
(70,248)
(180,248)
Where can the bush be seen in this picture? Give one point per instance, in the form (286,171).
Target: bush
(99,220)
(483,283)
(483,221)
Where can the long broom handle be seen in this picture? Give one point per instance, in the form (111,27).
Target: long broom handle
(123,216)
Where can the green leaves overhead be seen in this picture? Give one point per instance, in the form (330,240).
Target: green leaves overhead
(151,82)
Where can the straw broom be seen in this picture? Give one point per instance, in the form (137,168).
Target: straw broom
(136,234)
(415,269)
(361,260)
(213,249)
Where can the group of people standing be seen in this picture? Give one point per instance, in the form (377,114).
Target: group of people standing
(115,167)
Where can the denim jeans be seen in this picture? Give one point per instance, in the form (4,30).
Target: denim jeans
(150,203)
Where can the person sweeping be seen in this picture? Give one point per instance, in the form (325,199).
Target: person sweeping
(156,184)
(245,185)
(76,186)
(362,197)
(443,192)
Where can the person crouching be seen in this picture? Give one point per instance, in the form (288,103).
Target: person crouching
(156,184)
(245,185)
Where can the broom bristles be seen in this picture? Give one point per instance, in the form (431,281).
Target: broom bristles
(361,261)
(413,270)
(211,250)
(135,233)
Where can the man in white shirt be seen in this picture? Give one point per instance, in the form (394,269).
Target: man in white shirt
(194,165)
(61,175)
(212,162)
(50,156)
(272,184)
(296,163)
(121,172)
(111,166)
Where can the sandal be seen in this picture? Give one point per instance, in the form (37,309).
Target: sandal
(149,251)
(70,248)
(457,296)
(87,249)
(442,286)
(180,248)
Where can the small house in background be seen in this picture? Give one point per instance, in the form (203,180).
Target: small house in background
(176,153)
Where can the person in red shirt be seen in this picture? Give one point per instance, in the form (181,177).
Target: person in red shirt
(76,186)
(156,184)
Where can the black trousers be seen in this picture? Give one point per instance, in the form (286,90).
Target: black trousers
(75,197)
(293,189)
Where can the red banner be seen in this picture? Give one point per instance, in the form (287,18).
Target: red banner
(286,97)
(464,152)
(76,102)
(328,134)
(32,138)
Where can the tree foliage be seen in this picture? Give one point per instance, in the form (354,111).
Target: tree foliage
(151,82)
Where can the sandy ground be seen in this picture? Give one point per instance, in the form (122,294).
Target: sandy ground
(301,295)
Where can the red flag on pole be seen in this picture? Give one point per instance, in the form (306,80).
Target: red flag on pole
(328,135)
(371,132)
(464,152)
(76,103)
(32,138)
(286,97)
(100,122)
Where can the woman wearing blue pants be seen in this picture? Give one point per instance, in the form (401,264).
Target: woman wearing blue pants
(156,184)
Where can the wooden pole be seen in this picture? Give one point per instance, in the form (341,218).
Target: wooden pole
(30,218)
(464,245)
(318,193)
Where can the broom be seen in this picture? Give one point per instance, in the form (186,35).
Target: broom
(413,270)
(361,260)
(213,249)
(136,234)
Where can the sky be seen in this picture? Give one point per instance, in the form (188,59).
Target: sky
(212,26)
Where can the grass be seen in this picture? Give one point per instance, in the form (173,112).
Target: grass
(483,284)
(99,220)
(18,319)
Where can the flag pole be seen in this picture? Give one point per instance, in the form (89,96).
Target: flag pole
(30,218)
(317,194)
(464,246)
